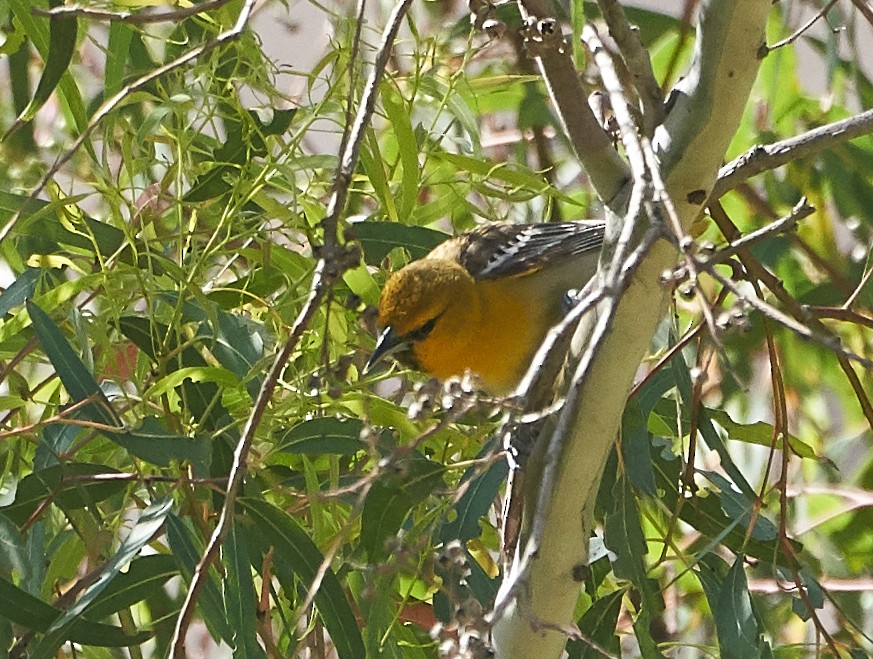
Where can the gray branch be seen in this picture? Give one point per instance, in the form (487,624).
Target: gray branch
(761,159)
(536,603)
(544,42)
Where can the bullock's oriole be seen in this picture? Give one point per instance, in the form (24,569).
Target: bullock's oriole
(483,301)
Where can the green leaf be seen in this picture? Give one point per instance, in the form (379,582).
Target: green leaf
(243,142)
(13,553)
(623,535)
(760,433)
(379,615)
(391,498)
(43,232)
(22,608)
(445,96)
(533,109)
(120,38)
(295,549)
(78,382)
(62,44)
(187,555)
(814,592)
(401,124)
(635,443)
(21,289)
(375,168)
(518,178)
(155,340)
(55,439)
(377,239)
(153,443)
(474,503)
(705,513)
(71,486)
(196,374)
(150,521)
(739,634)
(144,577)
(598,625)
(239,594)
(707,431)
(740,508)
(323,435)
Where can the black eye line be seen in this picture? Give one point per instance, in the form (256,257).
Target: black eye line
(423,331)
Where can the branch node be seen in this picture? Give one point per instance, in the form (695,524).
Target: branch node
(543,35)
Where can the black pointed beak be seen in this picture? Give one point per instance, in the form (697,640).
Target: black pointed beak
(388,343)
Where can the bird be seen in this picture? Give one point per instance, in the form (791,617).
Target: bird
(483,301)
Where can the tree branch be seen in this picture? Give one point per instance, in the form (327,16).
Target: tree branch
(333,260)
(113,103)
(547,45)
(540,592)
(134,18)
(638,62)
(761,159)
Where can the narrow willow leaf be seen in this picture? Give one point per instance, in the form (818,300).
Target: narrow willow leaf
(239,595)
(73,486)
(145,576)
(76,378)
(22,608)
(120,37)
(481,489)
(22,288)
(151,338)
(401,124)
(13,553)
(150,521)
(321,435)
(243,143)
(738,632)
(389,501)
(623,535)
(379,238)
(741,508)
(635,443)
(155,444)
(187,555)
(597,624)
(63,31)
(294,548)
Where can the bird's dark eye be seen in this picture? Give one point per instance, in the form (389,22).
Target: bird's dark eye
(423,331)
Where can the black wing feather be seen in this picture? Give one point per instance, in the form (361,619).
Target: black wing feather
(507,250)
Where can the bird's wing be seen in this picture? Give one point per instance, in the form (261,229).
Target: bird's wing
(508,250)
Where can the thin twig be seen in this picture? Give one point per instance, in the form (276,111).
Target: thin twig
(618,101)
(794,37)
(544,41)
(761,158)
(112,104)
(854,296)
(755,269)
(763,207)
(840,313)
(864,8)
(638,62)
(830,342)
(135,18)
(333,260)
(800,211)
